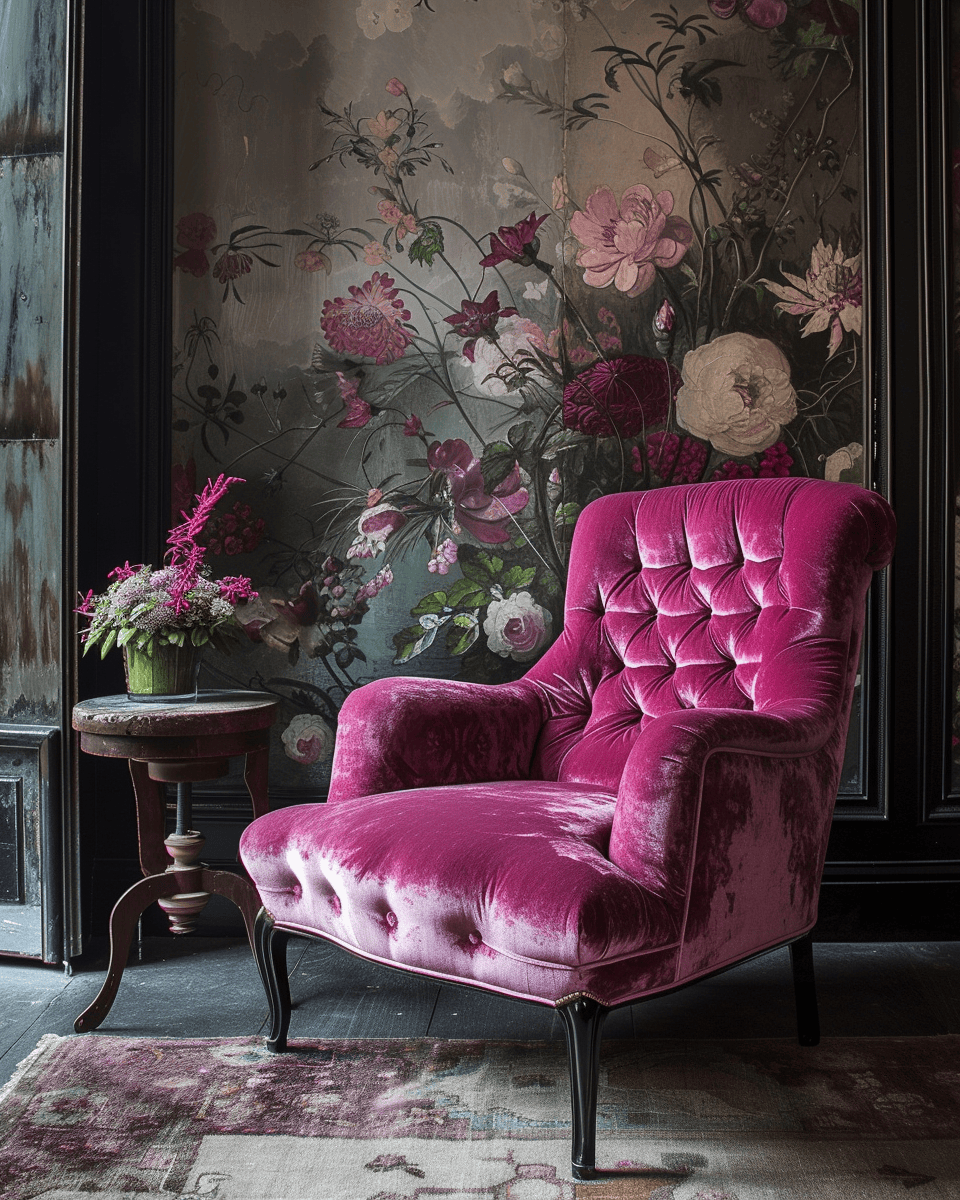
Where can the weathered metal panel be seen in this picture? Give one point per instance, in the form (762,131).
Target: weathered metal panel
(32,78)
(30,581)
(31,296)
(31,358)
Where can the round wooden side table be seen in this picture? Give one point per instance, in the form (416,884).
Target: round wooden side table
(182,743)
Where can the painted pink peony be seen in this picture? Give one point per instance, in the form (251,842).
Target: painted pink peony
(622,396)
(736,393)
(516,627)
(368,324)
(624,243)
(487,517)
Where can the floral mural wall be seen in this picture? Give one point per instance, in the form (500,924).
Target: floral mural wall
(447,270)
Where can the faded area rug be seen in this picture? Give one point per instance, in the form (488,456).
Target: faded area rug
(124,1118)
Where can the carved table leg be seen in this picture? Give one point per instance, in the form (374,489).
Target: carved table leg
(151,799)
(241,891)
(123,921)
(255,769)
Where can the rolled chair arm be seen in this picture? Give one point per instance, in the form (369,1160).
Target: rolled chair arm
(404,733)
(662,793)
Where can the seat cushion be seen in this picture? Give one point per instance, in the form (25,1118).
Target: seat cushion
(506,885)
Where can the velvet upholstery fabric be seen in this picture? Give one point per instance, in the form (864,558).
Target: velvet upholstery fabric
(650,802)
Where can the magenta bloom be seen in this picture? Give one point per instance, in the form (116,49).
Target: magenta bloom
(232,265)
(368,324)
(196,231)
(624,243)
(358,410)
(764,14)
(478,320)
(681,460)
(732,470)
(776,460)
(621,397)
(395,87)
(515,243)
(234,588)
(487,517)
(412,426)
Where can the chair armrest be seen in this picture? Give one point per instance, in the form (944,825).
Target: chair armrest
(404,733)
(662,787)
(726,815)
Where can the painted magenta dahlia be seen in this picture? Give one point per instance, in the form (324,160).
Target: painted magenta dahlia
(370,323)
(620,397)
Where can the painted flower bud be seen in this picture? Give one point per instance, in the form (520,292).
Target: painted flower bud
(664,320)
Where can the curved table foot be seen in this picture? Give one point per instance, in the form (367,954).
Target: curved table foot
(127,910)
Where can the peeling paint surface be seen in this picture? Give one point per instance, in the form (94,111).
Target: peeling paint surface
(30,579)
(32,181)
(32,80)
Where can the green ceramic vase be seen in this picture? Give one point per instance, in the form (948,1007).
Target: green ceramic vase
(169,673)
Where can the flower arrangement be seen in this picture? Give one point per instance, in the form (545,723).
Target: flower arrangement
(175,605)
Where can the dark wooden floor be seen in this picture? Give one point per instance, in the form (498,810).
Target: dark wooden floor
(209,987)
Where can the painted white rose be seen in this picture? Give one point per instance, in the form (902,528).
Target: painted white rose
(516,339)
(308,739)
(736,393)
(516,627)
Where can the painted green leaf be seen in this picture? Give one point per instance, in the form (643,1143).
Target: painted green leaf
(427,245)
(467,593)
(497,462)
(464,631)
(435,602)
(517,578)
(482,568)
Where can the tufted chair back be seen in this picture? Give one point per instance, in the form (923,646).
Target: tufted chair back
(704,596)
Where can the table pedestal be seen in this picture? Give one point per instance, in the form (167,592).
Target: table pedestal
(181,744)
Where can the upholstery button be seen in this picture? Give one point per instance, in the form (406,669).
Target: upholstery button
(474,938)
(391,919)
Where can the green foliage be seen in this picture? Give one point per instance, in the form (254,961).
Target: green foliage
(428,244)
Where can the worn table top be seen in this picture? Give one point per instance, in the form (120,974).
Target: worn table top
(213,712)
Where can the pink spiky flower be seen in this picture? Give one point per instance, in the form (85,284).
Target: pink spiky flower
(143,607)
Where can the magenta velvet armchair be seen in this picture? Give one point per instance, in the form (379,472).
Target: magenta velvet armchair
(649,804)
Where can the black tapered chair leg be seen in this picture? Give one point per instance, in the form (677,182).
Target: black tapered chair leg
(805,991)
(582,1023)
(270,951)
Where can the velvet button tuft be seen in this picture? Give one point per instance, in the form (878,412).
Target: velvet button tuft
(391,919)
(474,938)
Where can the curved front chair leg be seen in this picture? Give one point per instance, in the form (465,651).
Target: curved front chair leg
(582,1023)
(805,991)
(270,951)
